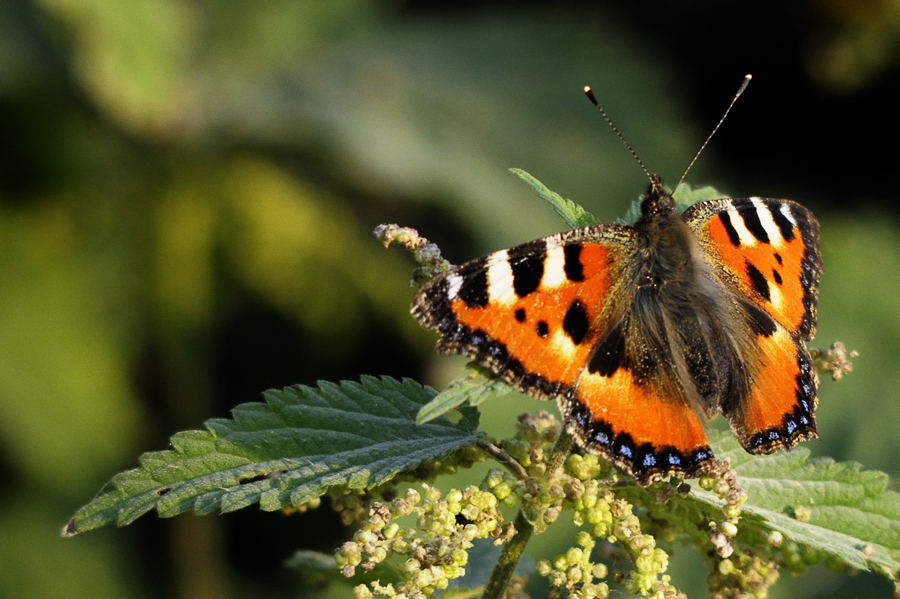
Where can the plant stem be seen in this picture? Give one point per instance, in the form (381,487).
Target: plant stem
(512,551)
(509,559)
(560,452)
(503,459)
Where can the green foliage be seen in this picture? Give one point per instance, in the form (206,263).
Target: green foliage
(574,215)
(285,452)
(476,388)
(175,169)
(339,439)
(836,508)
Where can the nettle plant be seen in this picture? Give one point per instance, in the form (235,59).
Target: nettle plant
(373,448)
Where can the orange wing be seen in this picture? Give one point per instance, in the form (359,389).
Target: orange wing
(766,252)
(542,316)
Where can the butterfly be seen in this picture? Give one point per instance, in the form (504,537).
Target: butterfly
(643,332)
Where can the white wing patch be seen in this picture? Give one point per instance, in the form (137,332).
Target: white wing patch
(768,223)
(454,284)
(737,221)
(500,279)
(554,269)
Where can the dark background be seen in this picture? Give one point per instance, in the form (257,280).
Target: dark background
(187,191)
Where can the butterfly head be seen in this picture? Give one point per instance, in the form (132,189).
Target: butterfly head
(657,200)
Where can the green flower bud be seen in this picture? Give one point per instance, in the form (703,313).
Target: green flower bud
(729,529)
(544,568)
(726,567)
(584,540)
(574,555)
(432,494)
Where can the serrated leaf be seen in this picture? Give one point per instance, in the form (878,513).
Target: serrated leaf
(476,388)
(286,451)
(851,514)
(574,215)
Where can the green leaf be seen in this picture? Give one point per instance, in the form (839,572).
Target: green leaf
(476,388)
(851,514)
(285,452)
(314,563)
(574,215)
(686,196)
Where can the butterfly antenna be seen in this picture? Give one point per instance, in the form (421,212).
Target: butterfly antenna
(593,99)
(740,90)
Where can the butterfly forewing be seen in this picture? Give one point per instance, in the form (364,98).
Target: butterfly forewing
(767,250)
(531,313)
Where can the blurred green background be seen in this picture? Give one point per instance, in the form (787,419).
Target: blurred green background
(188,189)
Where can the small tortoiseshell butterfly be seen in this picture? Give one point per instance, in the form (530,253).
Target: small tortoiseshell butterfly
(642,332)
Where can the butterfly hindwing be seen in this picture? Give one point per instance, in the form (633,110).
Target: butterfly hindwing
(623,417)
(779,412)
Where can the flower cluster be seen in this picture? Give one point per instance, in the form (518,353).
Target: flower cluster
(744,575)
(581,485)
(574,572)
(723,482)
(612,519)
(436,549)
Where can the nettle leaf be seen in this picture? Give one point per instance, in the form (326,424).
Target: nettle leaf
(837,508)
(297,445)
(477,387)
(574,215)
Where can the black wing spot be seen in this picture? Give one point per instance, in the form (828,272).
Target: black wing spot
(609,353)
(474,288)
(520,314)
(575,323)
(573,266)
(747,210)
(542,329)
(761,323)
(733,236)
(779,259)
(777,277)
(783,224)
(527,264)
(758,281)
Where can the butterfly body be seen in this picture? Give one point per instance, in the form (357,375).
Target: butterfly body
(642,333)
